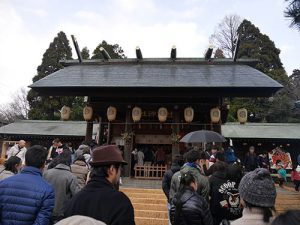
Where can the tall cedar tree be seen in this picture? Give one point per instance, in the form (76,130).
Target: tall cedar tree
(85,53)
(293,12)
(256,45)
(115,51)
(44,107)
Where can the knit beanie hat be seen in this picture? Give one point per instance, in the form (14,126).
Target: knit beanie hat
(258,189)
(79,220)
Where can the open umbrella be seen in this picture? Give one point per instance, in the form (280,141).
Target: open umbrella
(203,136)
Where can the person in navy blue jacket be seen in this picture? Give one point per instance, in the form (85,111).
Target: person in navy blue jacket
(26,198)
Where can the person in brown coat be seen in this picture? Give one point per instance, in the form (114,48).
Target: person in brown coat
(80,169)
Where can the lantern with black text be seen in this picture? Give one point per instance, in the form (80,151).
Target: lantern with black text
(111,113)
(136,114)
(162,114)
(65,112)
(87,113)
(242,115)
(215,115)
(189,114)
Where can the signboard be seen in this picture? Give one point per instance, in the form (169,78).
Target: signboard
(277,154)
(153,139)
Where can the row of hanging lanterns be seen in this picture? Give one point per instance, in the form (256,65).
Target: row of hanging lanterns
(215,114)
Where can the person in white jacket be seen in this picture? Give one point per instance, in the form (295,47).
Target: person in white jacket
(18,150)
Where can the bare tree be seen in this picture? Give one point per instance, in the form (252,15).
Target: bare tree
(17,109)
(226,33)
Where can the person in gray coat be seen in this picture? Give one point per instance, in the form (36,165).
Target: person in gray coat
(64,182)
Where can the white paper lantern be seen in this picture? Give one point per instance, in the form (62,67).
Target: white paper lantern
(136,114)
(65,112)
(162,114)
(111,113)
(215,115)
(242,115)
(189,114)
(87,113)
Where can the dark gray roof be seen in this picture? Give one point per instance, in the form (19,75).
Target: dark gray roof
(261,130)
(161,74)
(46,128)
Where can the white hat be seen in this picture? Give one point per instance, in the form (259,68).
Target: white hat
(80,220)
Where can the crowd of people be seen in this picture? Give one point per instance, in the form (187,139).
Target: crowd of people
(213,187)
(59,186)
(62,186)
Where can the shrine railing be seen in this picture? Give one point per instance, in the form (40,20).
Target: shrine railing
(150,171)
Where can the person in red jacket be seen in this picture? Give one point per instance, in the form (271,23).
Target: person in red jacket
(295,176)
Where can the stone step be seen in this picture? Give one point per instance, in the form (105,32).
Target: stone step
(145,195)
(151,214)
(142,206)
(149,201)
(140,190)
(150,221)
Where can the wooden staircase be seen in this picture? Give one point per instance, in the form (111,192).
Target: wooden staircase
(150,206)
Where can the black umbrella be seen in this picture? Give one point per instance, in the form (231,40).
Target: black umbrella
(203,136)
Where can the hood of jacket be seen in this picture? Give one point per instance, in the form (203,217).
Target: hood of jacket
(192,168)
(175,168)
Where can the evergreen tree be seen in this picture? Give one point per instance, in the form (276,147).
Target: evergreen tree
(85,53)
(256,45)
(293,12)
(115,51)
(45,107)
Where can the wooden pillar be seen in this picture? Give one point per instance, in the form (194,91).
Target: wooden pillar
(89,131)
(3,149)
(100,131)
(175,129)
(128,143)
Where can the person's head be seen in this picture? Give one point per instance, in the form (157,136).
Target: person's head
(86,150)
(214,149)
(80,158)
(220,166)
(188,180)
(64,158)
(234,173)
(257,190)
(193,156)
(252,149)
(13,164)
(279,165)
(291,217)
(56,142)
(106,162)
(22,143)
(36,156)
(220,157)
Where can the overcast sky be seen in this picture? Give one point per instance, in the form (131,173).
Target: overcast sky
(28,26)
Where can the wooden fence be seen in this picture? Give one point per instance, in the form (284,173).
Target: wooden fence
(150,171)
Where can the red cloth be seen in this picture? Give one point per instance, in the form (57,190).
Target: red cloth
(295,175)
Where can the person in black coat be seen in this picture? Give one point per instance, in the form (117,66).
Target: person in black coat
(224,195)
(99,199)
(166,181)
(188,207)
(251,160)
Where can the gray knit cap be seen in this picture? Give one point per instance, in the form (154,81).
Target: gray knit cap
(258,189)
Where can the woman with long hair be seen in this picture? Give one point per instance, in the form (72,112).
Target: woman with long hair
(188,207)
(12,167)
